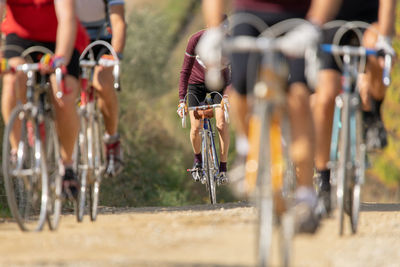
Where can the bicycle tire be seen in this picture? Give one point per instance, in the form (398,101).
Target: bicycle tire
(264,198)
(342,186)
(359,171)
(82,168)
(212,171)
(55,179)
(288,192)
(27,206)
(99,166)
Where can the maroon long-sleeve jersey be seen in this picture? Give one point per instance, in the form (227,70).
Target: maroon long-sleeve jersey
(193,69)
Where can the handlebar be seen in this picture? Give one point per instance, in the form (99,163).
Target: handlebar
(361,51)
(204,107)
(35,67)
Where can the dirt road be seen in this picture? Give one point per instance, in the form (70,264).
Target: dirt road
(196,235)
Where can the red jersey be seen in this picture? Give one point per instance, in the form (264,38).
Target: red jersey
(36,20)
(274,6)
(193,69)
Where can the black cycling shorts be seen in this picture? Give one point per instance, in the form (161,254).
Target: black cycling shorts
(245,66)
(197,94)
(328,61)
(99,50)
(14,40)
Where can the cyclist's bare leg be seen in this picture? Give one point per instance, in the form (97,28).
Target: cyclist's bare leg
(108,101)
(67,120)
(14,90)
(324,104)
(223,131)
(240,112)
(302,149)
(195,139)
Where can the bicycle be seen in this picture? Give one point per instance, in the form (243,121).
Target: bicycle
(32,173)
(348,148)
(269,171)
(210,163)
(90,151)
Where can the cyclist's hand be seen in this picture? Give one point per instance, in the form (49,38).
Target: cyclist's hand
(384,44)
(225,102)
(297,41)
(209,49)
(51,62)
(181,108)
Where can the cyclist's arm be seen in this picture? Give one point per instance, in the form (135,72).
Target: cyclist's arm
(67,27)
(187,65)
(118,25)
(322,11)
(386,17)
(212,11)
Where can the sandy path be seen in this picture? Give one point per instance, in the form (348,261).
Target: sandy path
(197,235)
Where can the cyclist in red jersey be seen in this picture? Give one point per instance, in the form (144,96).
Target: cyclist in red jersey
(370,83)
(302,36)
(52,24)
(192,83)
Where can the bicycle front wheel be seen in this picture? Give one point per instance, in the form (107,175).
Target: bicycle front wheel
(25,171)
(212,170)
(99,165)
(343,170)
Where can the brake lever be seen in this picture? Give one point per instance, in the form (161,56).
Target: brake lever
(116,72)
(387,69)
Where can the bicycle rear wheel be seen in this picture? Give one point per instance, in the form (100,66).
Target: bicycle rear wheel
(287,220)
(359,170)
(25,172)
(99,165)
(55,179)
(82,168)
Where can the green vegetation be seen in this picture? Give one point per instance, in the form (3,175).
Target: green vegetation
(386,166)
(157,150)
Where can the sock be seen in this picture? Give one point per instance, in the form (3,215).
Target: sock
(222,166)
(110,139)
(197,158)
(376,106)
(325,176)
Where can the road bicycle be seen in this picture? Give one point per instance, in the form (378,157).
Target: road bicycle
(210,164)
(269,171)
(90,150)
(32,172)
(348,149)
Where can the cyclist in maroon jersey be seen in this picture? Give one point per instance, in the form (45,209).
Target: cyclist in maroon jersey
(302,36)
(52,24)
(372,88)
(192,83)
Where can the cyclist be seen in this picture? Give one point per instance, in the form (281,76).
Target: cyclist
(372,88)
(271,12)
(52,24)
(97,16)
(191,82)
